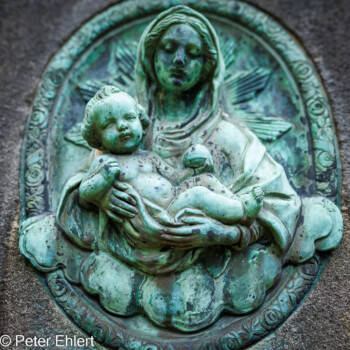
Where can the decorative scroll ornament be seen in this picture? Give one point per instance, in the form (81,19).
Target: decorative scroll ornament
(180,176)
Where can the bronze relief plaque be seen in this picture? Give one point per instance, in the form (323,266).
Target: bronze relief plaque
(180,176)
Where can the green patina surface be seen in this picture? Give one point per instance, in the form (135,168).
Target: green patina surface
(192,193)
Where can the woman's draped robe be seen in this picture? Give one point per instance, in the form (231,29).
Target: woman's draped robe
(240,163)
(185,290)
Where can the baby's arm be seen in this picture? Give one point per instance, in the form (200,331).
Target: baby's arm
(100,177)
(174,176)
(197,160)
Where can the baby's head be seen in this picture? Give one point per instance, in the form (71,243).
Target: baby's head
(114,122)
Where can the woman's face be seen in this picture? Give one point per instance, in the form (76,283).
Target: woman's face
(179,58)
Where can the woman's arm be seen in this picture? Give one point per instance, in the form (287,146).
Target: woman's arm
(204,232)
(201,231)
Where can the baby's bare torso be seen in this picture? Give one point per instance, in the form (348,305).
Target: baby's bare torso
(139,171)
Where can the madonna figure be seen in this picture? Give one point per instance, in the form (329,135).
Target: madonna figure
(190,271)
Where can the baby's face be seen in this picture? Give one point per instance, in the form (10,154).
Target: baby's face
(118,124)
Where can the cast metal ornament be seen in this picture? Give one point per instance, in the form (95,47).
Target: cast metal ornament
(180,176)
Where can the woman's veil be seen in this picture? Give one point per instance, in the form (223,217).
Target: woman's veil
(175,139)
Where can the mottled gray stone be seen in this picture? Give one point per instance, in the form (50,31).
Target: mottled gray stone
(31,32)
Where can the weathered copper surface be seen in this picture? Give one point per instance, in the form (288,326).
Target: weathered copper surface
(255,140)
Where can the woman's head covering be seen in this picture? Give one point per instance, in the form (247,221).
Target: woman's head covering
(172,141)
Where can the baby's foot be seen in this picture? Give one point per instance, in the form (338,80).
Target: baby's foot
(253,202)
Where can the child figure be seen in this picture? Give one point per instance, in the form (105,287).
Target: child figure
(115,124)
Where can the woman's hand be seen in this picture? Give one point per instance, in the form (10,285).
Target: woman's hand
(116,203)
(200,231)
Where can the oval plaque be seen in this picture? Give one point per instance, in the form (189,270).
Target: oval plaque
(264,122)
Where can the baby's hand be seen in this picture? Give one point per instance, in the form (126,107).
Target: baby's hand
(198,157)
(109,169)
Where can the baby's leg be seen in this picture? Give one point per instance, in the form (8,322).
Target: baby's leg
(252,201)
(226,210)
(207,193)
(208,181)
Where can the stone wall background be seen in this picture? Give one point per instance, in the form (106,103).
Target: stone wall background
(32,31)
